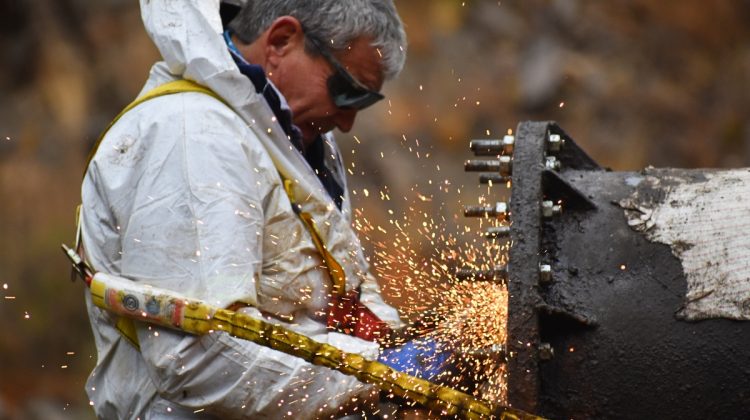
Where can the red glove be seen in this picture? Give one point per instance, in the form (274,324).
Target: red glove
(349,316)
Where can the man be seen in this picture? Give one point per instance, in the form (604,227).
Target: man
(201,195)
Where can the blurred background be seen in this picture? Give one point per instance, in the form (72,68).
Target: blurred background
(634,82)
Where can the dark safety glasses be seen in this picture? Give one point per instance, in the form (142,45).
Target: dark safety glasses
(346,91)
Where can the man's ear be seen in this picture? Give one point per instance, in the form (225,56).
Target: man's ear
(283,36)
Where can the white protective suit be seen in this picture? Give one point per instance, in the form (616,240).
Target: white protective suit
(184,194)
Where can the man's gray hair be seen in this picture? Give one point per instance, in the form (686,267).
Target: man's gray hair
(334,22)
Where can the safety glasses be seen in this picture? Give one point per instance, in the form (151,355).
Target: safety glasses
(346,91)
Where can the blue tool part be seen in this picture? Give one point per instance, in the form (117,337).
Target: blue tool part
(421,357)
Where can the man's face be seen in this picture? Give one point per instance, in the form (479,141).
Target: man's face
(302,79)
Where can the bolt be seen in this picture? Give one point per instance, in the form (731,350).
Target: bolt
(500,166)
(503,165)
(492,147)
(509,143)
(552,163)
(493,178)
(477,165)
(499,210)
(498,273)
(495,352)
(486,147)
(554,143)
(545,274)
(496,232)
(506,165)
(550,209)
(546,352)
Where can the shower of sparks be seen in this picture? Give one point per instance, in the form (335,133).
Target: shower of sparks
(419,270)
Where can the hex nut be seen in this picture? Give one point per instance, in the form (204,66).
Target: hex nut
(501,209)
(546,352)
(552,163)
(554,143)
(545,273)
(509,143)
(547,208)
(550,209)
(505,165)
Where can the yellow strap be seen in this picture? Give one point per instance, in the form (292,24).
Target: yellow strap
(126,327)
(78,228)
(338,276)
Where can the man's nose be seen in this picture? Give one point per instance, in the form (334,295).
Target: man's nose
(345,119)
